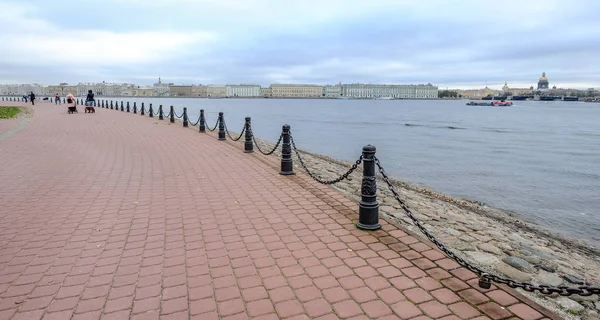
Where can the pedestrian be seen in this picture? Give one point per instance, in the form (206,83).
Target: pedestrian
(89,102)
(25,98)
(57,98)
(32,97)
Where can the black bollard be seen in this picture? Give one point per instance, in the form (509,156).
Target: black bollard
(134,107)
(150,111)
(160,113)
(221,127)
(142,110)
(64,100)
(122,109)
(368,207)
(202,121)
(94,103)
(127,106)
(185,117)
(287,166)
(172,115)
(248,146)
(111,105)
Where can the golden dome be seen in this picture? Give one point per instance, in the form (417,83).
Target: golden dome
(543,78)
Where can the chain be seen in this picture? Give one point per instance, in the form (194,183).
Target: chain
(167,115)
(484,276)
(176,116)
(194,124)
(215,127)
(258,147)
(230,137)
(312,175)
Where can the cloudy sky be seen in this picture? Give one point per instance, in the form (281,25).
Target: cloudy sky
(450,43)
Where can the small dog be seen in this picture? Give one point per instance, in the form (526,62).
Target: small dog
(90,110)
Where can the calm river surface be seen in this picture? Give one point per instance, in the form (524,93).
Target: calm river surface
(540,160)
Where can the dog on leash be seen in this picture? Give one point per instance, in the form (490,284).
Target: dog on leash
(90,110)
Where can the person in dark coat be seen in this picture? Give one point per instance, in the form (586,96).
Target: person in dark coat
(89,102)
(32,98)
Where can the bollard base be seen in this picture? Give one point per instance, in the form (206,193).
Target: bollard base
(222,136)
(368,215)
(368,226)
(286,173)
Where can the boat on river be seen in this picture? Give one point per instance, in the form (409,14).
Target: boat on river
(494,103)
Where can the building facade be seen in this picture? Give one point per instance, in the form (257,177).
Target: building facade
(543,83)
(180,91)
(216,91)
(332,91)
(296,91)
(199,91)
(242,90)
(372,91)
(265,92)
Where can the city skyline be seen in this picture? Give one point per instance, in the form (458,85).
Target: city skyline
(461,45)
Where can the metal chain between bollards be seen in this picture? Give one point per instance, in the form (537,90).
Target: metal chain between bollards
(484,276)
(312,175)
(195,124)
(229,135)
(176,116)
(215,127)
(258,147)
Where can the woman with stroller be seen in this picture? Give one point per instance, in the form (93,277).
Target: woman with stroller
(89,102)
(71,103)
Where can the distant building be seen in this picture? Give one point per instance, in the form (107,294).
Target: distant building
(180,91)
(161,88)
(216,91)
(265,92)
(506,90)
(543,83)
(421,91)
(199,91)
(143,92)
(296,90)
(332,91)
(242,90)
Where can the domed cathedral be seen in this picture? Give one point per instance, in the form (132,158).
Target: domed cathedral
(543,84)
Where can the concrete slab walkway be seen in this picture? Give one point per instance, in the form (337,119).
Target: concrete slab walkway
(117,216)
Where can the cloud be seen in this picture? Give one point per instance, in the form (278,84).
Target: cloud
(444,42)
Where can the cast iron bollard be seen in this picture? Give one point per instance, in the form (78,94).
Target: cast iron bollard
(160,113)
(128,107)
(368,207)
(172,115)
(248,146)
(221,127)
(185,118)
(134,107)
(150,111)
(102,103)
(202,120)
(111,104)
(64,100)
(142,111)
(122,109)
(287,167)
(94,103)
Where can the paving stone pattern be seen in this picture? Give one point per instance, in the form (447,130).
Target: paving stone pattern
(117,216)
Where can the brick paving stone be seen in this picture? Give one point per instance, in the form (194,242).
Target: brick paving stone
(114,215)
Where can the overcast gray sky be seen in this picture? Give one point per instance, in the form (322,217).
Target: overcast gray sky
(450,43)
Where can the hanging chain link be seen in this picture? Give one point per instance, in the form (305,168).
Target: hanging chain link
(484,276)
(258,147)
(215,127)
(230,137)
(194,124)
(176,116)
(315,177)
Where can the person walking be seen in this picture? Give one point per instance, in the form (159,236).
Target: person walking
(32,98)
(57,98)
(89,102)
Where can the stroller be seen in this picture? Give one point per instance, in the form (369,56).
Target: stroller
(71,105)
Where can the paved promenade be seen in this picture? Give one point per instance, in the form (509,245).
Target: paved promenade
(118,216)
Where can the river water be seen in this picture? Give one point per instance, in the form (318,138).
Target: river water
(539,160)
